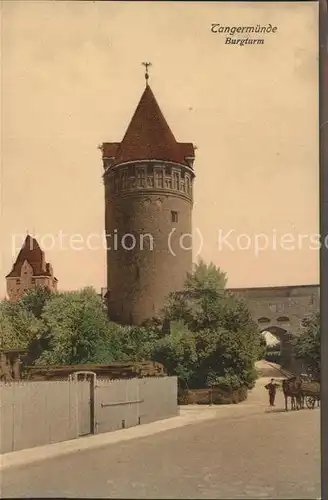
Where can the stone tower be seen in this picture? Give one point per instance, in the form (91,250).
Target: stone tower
(148,180)
(30,270)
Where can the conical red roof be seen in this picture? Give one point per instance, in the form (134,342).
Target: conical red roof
(31,252)
(148,137)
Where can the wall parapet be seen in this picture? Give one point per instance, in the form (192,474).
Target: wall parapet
(147,177)
(276,291)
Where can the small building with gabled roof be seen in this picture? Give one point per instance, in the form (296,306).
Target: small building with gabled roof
(30,270)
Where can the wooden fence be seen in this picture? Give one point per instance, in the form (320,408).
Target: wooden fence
(38,413)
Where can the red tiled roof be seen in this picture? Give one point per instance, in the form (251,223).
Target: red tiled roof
(31,252)
(110,149)
(148,137)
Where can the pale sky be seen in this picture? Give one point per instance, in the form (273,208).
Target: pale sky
(71,79)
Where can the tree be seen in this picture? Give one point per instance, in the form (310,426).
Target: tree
(72,328)
(138,343)
(308,346)
(220,341)
(18,326)
(34,300)
(78,330)
(177,352)
(206,276)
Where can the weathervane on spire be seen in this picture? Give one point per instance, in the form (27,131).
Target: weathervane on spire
(146,64)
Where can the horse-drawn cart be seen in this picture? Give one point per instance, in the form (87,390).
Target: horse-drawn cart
(301,390)
(311,393)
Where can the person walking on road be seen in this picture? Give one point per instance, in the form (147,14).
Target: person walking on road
(272,389)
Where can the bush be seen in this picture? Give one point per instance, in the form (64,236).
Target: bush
(215,396)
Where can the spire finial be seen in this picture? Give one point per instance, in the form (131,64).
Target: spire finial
(146,64)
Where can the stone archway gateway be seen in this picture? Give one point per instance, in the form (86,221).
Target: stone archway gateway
(280,311)
(285,341)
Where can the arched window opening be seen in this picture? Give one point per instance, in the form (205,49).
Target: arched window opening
(263,320)
(283,319)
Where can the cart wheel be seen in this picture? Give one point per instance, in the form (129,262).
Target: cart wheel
(310,402)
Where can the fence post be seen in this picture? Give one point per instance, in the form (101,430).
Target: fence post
(93,403)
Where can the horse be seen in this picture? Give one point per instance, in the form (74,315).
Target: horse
(292,388)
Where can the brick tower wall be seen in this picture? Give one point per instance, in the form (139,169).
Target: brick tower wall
(143,201)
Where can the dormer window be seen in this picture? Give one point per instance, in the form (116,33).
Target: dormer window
(190,161)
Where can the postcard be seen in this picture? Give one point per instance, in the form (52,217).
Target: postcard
(160,286)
